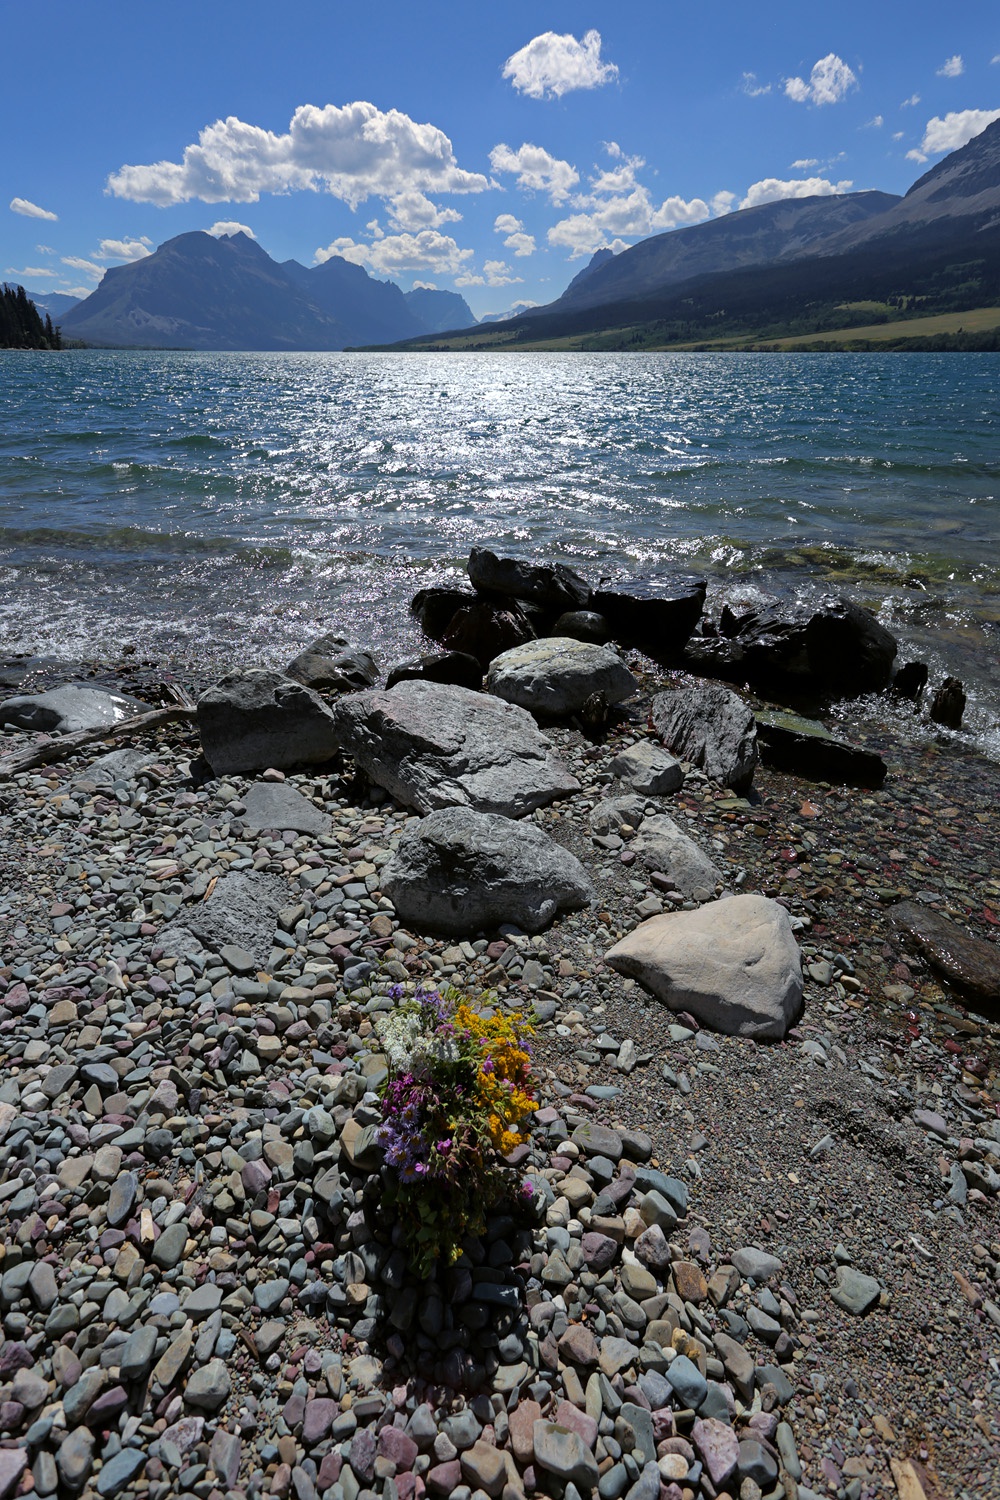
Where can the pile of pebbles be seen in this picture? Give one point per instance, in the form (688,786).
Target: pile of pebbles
(199,1291)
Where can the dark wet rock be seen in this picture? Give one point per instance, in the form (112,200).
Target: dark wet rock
(948,704)
(459,871)
(552,586)
(827,648)
(68,709)
(708,725)
(334,664)
(971,964)
(253,720)
(734,964)
(275,804)
(485,629)
(583,625)
(435,608)
(554,677)
(909,680)
(433,745)
(789,742)
(655,614)
(456,667)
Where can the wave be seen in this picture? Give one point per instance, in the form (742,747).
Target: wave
(134,541)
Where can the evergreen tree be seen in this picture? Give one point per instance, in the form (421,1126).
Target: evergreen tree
(21,325)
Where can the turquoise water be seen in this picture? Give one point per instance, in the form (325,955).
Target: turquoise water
(208,504)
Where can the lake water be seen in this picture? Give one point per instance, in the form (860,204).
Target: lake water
(230,506)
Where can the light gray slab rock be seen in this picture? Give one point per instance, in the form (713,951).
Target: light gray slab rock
(69,709)
(253,720)
(242,911)
(436,745)
(614,813)
(660,845)
(460,871)
(275,804)
(119,765)
(734,964)
(648,769)
(710,726)
(556,676)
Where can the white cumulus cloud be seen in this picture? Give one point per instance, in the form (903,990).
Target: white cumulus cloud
(415,211)
(30,210)
(498,273)
(952,131)
(427,251)
(773,189)
(552,65)
(353,152)
(828,82)
(516,239)
(952,67)
(537,170)
(124,249)
(224,228)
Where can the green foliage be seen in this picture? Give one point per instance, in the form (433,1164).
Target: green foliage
(21,324)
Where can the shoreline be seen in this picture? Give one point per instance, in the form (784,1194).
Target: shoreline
(802,1148)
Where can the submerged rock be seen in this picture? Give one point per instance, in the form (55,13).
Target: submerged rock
(789,742)
(708,725)
(971,964)
(459,871)
(555,677)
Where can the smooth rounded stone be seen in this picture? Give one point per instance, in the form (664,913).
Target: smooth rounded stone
(718,1448)
(756,1463)
(765,1328)
(689,1280)
(754,1264)
(483,1467)
(241,911)
(616,1355)
(43,1287)
(613,1482)
(660,845)
(119,1471)
(75,1458)
(393,1444)
(268,1295)
(434,745)
(202,1302)
(706,724)
(648,769)
(583,625)
(256,719)
(58,1079)
(69,709)
(459,871)
(734,964)
(29,1389)
(169,1248)
(550,585)
(578,1346)
(789,742)
(333,664)
(275,804)
(209,1387)
(647,1486)
(595,1140)
(119,765)
(122,1199)
(855,1292)
(554,677)
(562,1452)
(638,1282)
(456,667)
(653,1248)
(688,1381)
(637,1421)
(654,1209)
(137,1354)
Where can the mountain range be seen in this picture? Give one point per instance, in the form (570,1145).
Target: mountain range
(201,292)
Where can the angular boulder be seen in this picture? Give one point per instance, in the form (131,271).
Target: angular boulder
(439,666)
(734,964)
(69,709)
(554,586)
(484,629)
(711,727)
(554,677)
(660,845)
(253,720)
(655,614)
(334,664)
(648,769)
(242,912)
(789,742)
(434,745)
(459,871)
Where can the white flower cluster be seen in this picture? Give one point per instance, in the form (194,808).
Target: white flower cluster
(406,1044)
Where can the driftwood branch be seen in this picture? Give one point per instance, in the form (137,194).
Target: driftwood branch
(68,744)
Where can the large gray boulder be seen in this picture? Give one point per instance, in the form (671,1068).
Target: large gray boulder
(241,912)
(734,964)
(435,745)
(554,677)
(69,709)
(711,727)
(459,871)
(253,720)
(660,845)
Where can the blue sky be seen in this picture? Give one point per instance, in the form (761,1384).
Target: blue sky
(488,149)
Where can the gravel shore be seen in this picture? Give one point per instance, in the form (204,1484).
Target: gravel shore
(199,1296)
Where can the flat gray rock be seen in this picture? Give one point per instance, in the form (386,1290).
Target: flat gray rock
(734,964)
(706,724)
(69,709)
(119,765)
(660,845)
(242,911)
(554,677)
(253,720)
(648,769)
(435,745)
(855,1292)
(275,804)
(459,871)
(612,814)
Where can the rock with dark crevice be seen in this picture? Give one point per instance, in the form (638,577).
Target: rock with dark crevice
(486,628)
(706,724)
(456,667)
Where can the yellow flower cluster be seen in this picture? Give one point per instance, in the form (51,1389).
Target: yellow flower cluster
(504,1069)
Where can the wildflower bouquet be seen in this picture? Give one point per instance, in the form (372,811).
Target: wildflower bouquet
(459,1087)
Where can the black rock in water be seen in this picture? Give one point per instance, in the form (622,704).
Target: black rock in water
(552,586)
(486,630)
(910,680)
(436,607)
(948,704)
(804,747)
(655,614)
(334,664)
